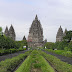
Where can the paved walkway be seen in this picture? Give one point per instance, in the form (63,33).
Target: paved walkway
(2,58)
(62,58)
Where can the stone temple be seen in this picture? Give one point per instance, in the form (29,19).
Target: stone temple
(35,37)
(10,33)
(24,38)
(60,34)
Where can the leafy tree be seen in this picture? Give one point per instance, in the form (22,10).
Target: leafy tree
(49,45)
(70,46)
(56,45)
(66,49)
(1,33)
(68,36)
(21,43)
(6,42)
(18,44)
(0,29)
(61,45)
(10,43)
(2,42)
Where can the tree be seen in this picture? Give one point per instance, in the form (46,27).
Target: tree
(56,45)
(0,29)
(10,43)
(61,45)
(1,33)
(2,42)
(70,46)
(24,43)
(21,43)
(6,42)
(49,45)
(68,36)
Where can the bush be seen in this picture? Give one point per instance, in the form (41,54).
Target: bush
(21,43)
(67,54)
(49,45)
(70,46)
(57,63)
(61,52)
(61,45)
(13,50)
(66,49)
(35,61)
(20,49)
(10,64)
(6,42)
(9,51)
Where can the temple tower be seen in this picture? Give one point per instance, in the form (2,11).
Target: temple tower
(24,38)
(65,32)
(59,36)
(6,32)
(12,33)
(35,37)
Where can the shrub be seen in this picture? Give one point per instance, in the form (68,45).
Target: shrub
(35,61)
(57,63)
(10,64)
(66,49)
(61,52)
(49,45)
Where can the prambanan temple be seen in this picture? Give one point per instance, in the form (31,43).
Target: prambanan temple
(35,37)
(10,33)
(60,34)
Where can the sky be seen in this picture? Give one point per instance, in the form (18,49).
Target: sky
(51,13)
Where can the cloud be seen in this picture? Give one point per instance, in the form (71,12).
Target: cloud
(66,2)
(21,13)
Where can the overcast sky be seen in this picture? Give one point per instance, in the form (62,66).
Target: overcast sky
(51,13)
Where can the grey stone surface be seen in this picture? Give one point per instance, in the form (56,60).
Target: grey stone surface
(24,38)
(35,37)
(60,34)
(65,32)
(10,33)
(6,31)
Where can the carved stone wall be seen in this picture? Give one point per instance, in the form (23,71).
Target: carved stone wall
(10,33)
(60,34)
(35,37)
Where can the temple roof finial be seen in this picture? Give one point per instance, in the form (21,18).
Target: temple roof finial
(60,26)
(36,18)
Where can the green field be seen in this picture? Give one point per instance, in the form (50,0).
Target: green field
(35,61)
(61,52)
(39,61)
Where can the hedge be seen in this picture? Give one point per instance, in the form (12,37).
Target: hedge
(10,64)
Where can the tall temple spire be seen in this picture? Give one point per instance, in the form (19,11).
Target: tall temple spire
(35,37)
(12,32)
(65,32)
(59,36)
(6,31)
(11,28)
(65,29)
(60,26)
(36,18)
(24,38)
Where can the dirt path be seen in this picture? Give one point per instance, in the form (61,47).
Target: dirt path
(2,58)
(62,58)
